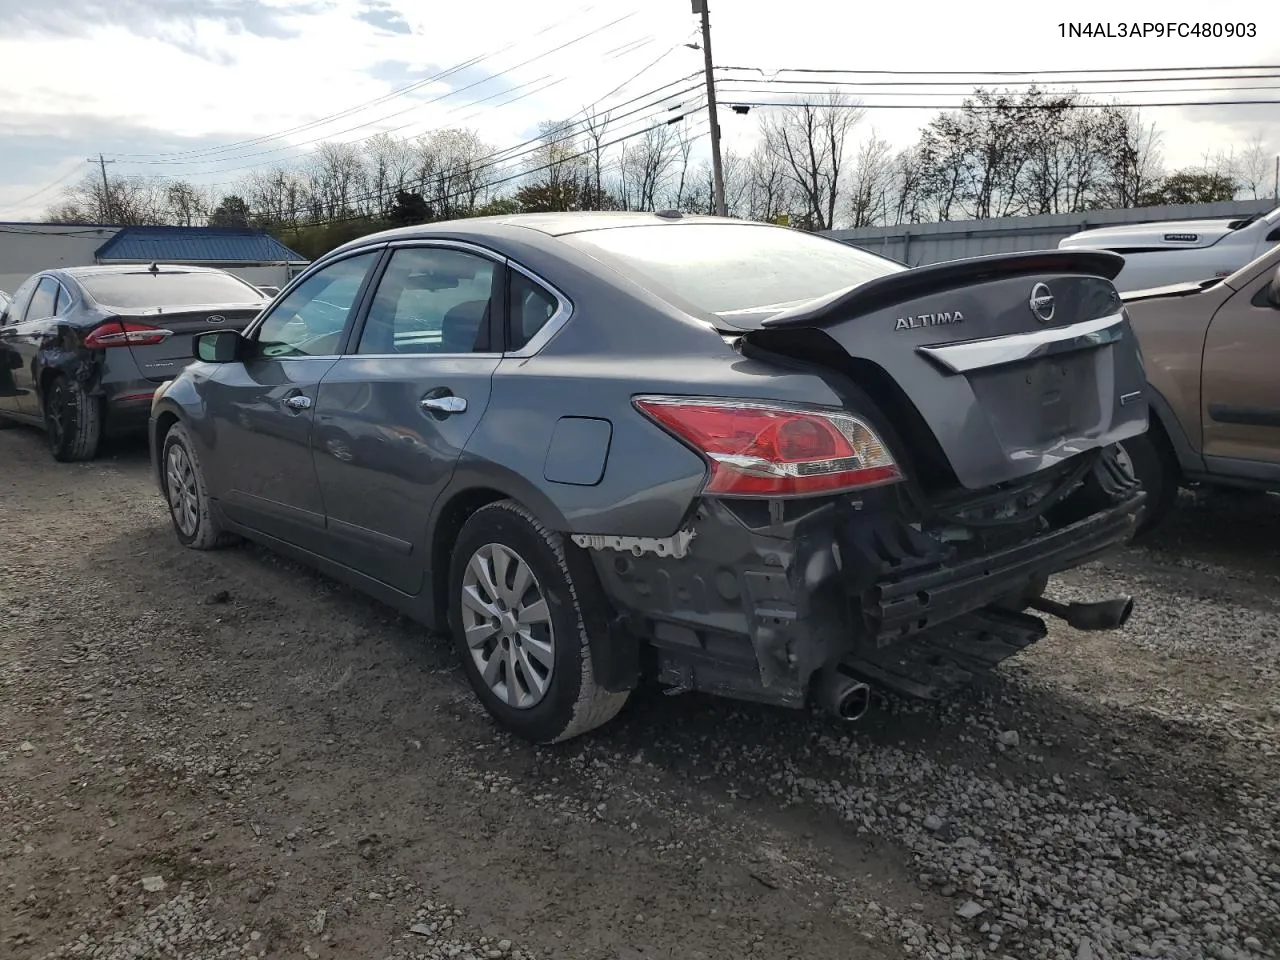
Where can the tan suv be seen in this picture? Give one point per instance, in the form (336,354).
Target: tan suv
(1210,351)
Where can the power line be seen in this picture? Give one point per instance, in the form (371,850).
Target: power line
(535,142)
(996,73)
(979,106)
(538,144)
(360,126)
(1046,91)
(401,91)
(45,189)
(970,84)
(365,139)
(524,173)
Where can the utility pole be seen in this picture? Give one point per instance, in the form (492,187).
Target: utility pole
(717,168)
(106,188)
(1276,196)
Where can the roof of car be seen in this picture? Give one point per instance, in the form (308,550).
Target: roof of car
(548,224)
(100,270)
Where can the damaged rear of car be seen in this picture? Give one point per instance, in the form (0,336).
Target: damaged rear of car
(601,448)
(901,536)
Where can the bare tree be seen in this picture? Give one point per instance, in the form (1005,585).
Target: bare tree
(276,196)
(1254,170)
(128,201)
(870,183)
(186,205)
(768,187)
(1134,161)
(907,187)
(335,177)
(595,126)
(809,140)
(463,170)
(650,162)
(683,175)
(389,168)
(699,194)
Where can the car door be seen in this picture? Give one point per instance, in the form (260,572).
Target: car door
(393,416)
(261,408)
(11,397)
(38,326)
(1240,392)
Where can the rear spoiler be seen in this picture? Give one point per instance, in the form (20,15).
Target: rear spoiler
(919,281)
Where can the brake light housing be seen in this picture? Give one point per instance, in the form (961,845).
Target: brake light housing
(125,333)
(766,449)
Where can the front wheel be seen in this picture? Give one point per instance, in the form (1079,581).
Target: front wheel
(194,521)
(72,420)
(518,625)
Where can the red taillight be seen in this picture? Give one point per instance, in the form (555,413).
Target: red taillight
(758,449)
(125,333)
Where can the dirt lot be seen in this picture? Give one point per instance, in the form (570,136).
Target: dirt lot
(225,755)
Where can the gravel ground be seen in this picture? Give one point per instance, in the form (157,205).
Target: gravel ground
(225,755)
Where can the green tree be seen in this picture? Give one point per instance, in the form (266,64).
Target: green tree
(1189,186)
(231,211)
(409,208)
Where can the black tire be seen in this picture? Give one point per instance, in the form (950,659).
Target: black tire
(572,702)
(72,420)
(1156,468)
(194,521)
(6,423)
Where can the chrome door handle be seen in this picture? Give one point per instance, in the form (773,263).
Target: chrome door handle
(298,403)
(446,405)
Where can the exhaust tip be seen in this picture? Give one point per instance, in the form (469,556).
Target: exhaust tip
(842,696)
(855,703)
(1103,615)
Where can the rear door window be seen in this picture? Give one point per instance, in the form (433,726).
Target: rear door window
(431,300)
(530,306)
(44,301)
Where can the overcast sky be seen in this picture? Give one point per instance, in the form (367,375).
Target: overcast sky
(141,80)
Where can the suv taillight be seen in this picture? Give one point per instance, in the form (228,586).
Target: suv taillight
(761,449)
(125,333)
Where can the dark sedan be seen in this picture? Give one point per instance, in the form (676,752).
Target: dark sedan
(83,348)
(724,456)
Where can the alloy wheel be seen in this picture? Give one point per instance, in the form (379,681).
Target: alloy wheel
(507,625)
(180,480)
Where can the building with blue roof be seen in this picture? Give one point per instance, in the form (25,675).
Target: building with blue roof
(254,255)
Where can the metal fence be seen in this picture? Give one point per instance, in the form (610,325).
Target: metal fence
(918,243)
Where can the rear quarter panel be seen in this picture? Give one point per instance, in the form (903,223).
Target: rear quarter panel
(619,342)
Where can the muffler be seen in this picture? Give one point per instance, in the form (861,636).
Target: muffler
(1103,615)
(842,696)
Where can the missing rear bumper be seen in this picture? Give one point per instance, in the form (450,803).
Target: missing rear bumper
(753,600)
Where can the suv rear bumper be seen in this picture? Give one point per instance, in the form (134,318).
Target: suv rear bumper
(753,607)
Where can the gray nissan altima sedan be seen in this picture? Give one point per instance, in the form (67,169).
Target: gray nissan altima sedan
(604,449)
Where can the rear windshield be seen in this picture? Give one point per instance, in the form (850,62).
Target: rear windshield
(145,289)
(727,268)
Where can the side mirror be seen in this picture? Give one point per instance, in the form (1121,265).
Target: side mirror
(219,346)
(1272,294)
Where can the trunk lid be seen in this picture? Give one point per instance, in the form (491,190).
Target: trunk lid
(1014,363)
(165,360)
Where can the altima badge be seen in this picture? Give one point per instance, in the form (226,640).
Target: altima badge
(928,320)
